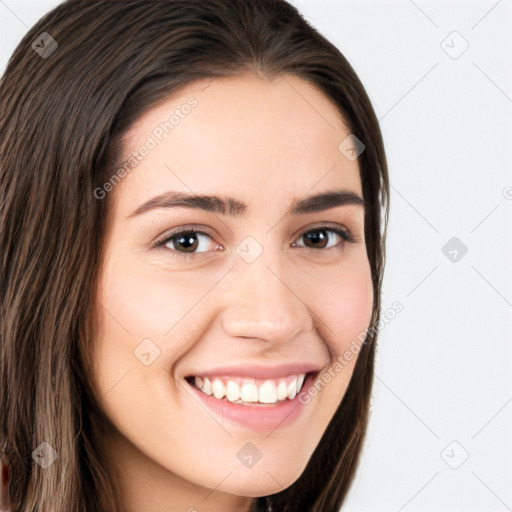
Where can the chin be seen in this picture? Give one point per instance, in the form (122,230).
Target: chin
(264,480)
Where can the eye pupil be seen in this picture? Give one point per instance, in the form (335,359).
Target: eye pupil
(316,236)
(188,240)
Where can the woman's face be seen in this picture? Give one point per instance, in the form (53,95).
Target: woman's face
(244,294)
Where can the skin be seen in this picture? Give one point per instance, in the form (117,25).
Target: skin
(264,143)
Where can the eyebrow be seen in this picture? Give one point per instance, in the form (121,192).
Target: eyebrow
(230,206)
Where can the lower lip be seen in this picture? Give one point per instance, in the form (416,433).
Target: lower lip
(255,417)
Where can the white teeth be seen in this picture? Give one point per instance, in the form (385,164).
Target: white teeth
(300,381)
(207,387)
(232,391)
(291,389)
(218,389)
(281,390)
(249,392)
(268,392)
(239,390)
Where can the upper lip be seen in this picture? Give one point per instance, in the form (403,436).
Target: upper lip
(259,371)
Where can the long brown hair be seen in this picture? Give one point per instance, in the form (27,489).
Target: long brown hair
(62,118)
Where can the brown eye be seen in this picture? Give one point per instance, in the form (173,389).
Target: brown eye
(316,239)
(187,241)
(324,237)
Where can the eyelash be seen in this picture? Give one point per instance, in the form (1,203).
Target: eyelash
(167,237)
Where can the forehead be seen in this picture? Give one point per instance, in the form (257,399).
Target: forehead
(243,136)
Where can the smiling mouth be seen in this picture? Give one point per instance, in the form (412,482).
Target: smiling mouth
(250,391)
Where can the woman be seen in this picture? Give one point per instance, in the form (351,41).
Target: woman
(194,203)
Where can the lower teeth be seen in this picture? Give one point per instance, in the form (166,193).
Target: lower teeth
(241,402)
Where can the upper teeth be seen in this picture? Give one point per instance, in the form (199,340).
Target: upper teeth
(249,390)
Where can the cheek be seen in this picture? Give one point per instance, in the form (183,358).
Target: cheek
(145,309)
(135,307)
(342,305)
(345,305)
(146,301)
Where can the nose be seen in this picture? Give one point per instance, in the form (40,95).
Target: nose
(262,304)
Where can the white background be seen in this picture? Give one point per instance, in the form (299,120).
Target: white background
(441,427)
